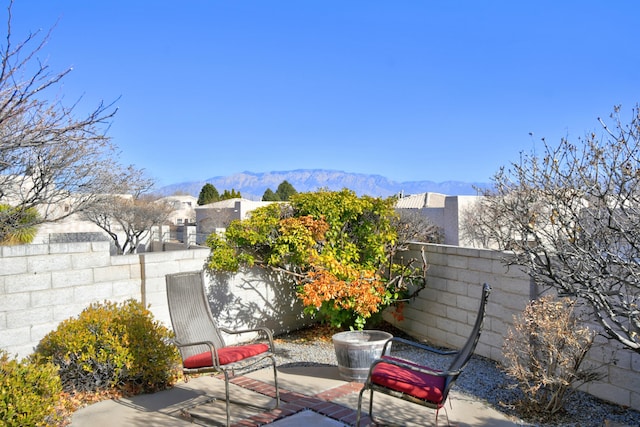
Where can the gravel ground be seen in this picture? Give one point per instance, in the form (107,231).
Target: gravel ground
(482,378)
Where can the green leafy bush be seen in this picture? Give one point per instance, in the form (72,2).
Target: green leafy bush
(112,346)
(341,250)
(30,392)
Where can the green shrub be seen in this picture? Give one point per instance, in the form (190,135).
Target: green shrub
(30,392)
(341,250)
(112,346)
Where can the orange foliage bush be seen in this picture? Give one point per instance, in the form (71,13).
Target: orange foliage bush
(363,295)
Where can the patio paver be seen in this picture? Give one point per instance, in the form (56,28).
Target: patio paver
(310,396)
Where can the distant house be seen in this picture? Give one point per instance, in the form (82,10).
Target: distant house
(77,228)
(215,217)
(422,200)
(184,209)
(445,212)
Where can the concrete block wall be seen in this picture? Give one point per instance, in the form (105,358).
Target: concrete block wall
(153,268)
(255,298)
(444,312)
(44,284)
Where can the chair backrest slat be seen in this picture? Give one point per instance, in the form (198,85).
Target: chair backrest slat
(463,356)
(190,312)
(465,353)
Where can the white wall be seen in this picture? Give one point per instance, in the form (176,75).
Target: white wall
(448,218)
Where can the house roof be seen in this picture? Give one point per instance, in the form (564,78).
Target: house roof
(228,203)
(182,198)
(422,200)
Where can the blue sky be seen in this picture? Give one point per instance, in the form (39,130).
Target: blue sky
(411,90)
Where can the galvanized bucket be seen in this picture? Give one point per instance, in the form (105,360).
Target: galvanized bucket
(356,350)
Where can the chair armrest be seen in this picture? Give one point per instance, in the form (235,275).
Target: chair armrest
(212,349)
(193,344)
(241,331)
(266,331)
(419,346)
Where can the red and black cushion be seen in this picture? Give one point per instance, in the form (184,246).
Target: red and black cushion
(417,384)
(226,355)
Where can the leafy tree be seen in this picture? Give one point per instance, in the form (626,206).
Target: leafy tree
(208,194)
(339,248)
(572,218)
(51,158)
(233,194)
(270,196)
(285,191)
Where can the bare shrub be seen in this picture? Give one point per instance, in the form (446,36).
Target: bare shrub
(544,350)
(570,217)
(413,226)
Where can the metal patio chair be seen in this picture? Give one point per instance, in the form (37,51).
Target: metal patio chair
(415,382)
(200,340)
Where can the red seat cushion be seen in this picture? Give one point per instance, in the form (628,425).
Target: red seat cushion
(226,355)
(418,384)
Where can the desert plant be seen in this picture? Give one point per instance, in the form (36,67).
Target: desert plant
(111,346)
(30,392)
(544,351)
(339,248)
(18,224)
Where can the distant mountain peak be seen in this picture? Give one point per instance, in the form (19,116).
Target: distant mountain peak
(252,185)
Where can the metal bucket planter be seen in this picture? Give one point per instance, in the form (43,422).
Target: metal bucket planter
(356,350)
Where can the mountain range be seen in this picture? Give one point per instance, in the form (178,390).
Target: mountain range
(253,185)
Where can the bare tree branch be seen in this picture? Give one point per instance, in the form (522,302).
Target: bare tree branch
(128,220)
(572,218)
(51,157)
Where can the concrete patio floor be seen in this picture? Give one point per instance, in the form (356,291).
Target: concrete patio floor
(310,396)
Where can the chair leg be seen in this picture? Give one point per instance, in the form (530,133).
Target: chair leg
(275,382)
(446,414)
(359,412)
(226,395)
(359,406)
